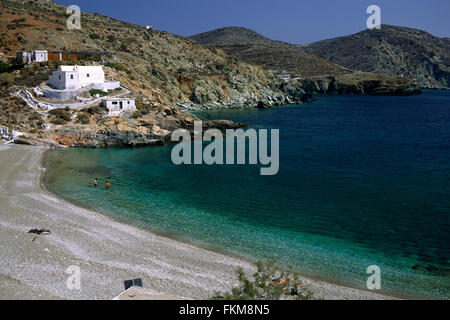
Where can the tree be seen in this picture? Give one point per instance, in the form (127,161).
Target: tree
(270,282)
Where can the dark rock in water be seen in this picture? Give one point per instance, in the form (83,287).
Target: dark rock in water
(107,138)
(307,97)
(222,125)
(262,105)
(100,139)
(113,138)
(217,124)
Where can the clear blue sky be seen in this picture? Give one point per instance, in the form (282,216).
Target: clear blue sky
(296,21)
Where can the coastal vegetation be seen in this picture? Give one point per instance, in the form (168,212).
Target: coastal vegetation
(101,93)
(60,116)
(5,67)
(84,118)
(269,282)
(6,79)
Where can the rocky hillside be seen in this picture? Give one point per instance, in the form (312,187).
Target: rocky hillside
(167,75)
(251,47)
(90,126)
(165,68)
(317,75)
(392,50)
(230,36)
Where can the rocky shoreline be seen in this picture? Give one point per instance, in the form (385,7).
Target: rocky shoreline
(109,138)
(205,98)
(302,91)
(360,84)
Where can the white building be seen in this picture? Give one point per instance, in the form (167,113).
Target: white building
(39,55)
(27,57)
(115,106)
(77,77)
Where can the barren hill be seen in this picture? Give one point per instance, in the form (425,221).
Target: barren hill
(392,50)
(251,47)
(230,36)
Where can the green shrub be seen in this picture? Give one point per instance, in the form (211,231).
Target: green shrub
(6,79)
(83,118)
(35,116)
(123,47)
(94,36)
(58,121)
(141,109)
(101,93)
(62,114)
(117,67)
(19,20)
(270,282)
(95,110)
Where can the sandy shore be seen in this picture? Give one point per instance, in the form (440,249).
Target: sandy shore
(107,252)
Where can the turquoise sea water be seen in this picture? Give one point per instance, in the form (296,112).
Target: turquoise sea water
(363,181)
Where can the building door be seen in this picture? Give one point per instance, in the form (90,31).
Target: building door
(121,105)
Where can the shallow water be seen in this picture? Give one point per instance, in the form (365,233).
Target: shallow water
(363,181)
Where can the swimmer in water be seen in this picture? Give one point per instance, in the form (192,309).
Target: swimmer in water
(95,182)
(108,185)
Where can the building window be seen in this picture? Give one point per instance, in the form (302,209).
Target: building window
(59,77)
(128,102)
(71,76)
(87,75)
(114,102)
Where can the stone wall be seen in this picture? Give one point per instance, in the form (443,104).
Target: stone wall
(63,95)
(107,85)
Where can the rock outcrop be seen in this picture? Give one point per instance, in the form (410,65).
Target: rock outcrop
(360,84)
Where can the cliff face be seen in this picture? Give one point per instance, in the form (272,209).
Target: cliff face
(360,84)
(392,50)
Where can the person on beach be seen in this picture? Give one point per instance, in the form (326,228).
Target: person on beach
(95,182)
(108,185)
